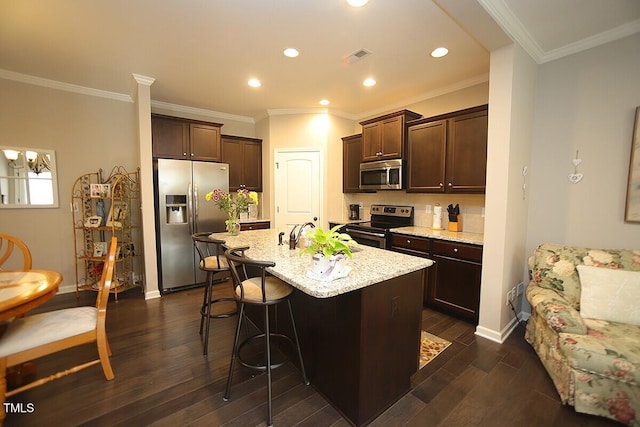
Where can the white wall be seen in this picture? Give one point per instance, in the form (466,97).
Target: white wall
(586,103)
(87,133)
(304,130)
(512,80)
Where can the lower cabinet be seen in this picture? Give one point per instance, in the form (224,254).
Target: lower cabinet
(453,281)
(455,278)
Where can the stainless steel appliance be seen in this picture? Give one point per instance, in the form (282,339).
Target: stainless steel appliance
(383,218)
(182,210)
(381,175)
(354,212)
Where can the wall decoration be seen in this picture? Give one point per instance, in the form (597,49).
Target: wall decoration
(576,176)
(632,211)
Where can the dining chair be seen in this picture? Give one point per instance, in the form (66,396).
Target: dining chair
(35,336)
(7,245)
(254,286)
(214,263)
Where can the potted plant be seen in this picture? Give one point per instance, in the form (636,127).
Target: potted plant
(329,250)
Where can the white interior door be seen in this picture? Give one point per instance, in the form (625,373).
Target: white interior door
(298,187)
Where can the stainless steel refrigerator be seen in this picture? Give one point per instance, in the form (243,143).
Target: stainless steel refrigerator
(182,210)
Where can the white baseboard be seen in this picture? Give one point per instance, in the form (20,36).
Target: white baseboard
(72,288)
(496,336)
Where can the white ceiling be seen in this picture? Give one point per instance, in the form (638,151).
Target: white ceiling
(202,52)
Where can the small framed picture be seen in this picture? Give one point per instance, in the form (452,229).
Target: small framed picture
(99,249)
(100,190)
(93,221)
(117,214)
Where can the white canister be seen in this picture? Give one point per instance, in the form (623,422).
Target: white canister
(437,217)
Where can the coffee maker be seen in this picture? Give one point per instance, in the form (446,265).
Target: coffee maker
(354,211)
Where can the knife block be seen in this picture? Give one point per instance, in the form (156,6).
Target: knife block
(455,226)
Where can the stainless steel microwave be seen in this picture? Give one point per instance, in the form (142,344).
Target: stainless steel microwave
(381,175)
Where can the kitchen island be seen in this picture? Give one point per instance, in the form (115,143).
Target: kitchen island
(359,335)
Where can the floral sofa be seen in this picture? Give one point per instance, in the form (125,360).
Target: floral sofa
(594,362)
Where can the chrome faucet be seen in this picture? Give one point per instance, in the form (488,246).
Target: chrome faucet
(295,239)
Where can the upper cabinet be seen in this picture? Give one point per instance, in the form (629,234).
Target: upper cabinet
(448,153)
(384,137)
(351,157)
(244,156)
(175,138)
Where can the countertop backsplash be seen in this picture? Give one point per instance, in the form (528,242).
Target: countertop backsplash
(471,206)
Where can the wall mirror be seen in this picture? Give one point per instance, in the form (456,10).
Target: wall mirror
(28,178)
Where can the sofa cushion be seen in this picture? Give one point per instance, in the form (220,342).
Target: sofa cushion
(610,294)
(554,266)
(609,349)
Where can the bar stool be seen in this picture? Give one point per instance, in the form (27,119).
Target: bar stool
(214,263)
(261,290)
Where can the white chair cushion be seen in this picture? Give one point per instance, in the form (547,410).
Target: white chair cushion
(610,294)
(33,331)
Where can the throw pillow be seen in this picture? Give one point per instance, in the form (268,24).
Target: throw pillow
(609,294)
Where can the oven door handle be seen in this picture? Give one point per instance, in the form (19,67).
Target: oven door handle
(360,233)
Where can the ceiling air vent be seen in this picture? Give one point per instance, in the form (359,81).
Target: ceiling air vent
(357,56)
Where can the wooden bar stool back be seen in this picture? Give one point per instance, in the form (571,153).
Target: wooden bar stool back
(254,286)
(214,263)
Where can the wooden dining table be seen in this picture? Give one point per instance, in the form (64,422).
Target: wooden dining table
(22,291)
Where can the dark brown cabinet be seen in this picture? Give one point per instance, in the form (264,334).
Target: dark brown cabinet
(351,157)
(416,246)
(448,153)
(384,137)
(452,283)
(174,138)
(255,225)
(455,278)
(244,156)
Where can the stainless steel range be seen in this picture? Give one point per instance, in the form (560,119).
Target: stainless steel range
(383,218)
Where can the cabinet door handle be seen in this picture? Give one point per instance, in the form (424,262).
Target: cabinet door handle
(441,184)
(450,185)
(455,249)
(184,154)
(408,241)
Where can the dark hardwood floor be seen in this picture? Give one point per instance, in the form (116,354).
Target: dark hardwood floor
(162,378)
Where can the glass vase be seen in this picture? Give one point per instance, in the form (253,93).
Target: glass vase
(233,226)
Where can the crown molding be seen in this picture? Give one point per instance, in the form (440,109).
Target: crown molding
(613,34)
(510,24)
(514,28)
(482,78)
(67,87)
(200,111)
(143,80)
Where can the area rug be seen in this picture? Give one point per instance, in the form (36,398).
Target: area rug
(430,347)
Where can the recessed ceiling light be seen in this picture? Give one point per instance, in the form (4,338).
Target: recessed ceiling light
(324,102)
(254,83)
(369,82)
(291,52)
(357,3)
(439,52)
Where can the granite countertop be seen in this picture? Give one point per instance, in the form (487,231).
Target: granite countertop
(369,265)
(459,236)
